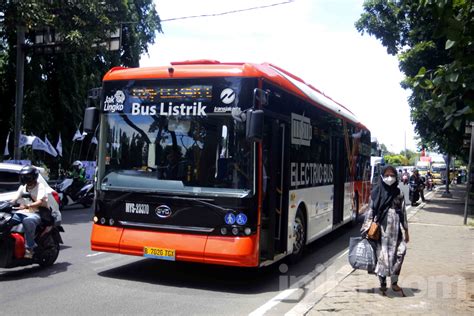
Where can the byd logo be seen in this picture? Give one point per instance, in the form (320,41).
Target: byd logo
(163,211)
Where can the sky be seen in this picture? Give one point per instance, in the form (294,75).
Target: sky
(314,39)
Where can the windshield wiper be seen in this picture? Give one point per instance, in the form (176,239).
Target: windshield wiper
(220,210)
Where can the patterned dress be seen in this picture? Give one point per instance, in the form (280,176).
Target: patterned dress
(391,247)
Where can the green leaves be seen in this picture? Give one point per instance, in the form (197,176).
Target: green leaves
(436,41)
(56,84)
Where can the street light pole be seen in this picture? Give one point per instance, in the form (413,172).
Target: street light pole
(20,63)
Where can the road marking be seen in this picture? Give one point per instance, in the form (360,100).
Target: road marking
(95,254)
(312,298)
(273,302)
(110,257)
(116,262)
(309,281)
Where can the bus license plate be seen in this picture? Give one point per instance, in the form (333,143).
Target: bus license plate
(159,253)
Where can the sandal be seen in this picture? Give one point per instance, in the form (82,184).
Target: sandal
(396,287)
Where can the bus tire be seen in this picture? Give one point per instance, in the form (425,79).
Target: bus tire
(300,237)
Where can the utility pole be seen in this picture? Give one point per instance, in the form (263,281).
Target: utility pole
(20,65)
(405,140)
(470,174)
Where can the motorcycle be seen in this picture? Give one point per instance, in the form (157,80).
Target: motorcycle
(12,240)
(69,195)
(405,179)
(429,184)
(413,192)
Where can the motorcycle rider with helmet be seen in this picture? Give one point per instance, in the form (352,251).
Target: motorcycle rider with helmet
(78,175)
(28,214)
(78,172)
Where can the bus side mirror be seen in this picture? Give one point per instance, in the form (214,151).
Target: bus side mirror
(91,119)
(254,125)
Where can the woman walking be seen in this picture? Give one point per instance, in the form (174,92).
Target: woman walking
(387,209)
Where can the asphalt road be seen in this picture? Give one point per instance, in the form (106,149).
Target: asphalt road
(86,282)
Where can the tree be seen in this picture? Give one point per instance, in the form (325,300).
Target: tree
(433,40)
(411,156)
(396,160)
(56,84)
(384,150)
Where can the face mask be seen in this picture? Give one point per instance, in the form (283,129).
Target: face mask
(389,180)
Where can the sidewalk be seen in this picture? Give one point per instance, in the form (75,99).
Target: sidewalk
(437,275)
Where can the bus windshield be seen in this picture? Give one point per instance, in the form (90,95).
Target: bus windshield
(189,148)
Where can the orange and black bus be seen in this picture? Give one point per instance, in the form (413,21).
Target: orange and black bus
(225,163)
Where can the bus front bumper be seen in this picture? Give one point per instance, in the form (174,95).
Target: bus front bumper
(222,250)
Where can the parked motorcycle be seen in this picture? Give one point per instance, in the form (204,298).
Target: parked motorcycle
(69,194)
(12,240)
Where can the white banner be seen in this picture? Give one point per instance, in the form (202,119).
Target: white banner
(26,140)
(78,136)
(6,152)
(38,144)
(59,146)
(51,149)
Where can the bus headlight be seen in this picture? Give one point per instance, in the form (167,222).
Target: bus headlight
(111,222)
(95,219)
(247,231)
(224,231)
(235,231)
(102,221)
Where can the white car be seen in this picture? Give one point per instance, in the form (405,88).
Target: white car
(10,181)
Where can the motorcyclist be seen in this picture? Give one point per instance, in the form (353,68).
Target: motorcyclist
(405,176)
(429,180)
(419,184)
(78,175)
(28,214)
(78,172)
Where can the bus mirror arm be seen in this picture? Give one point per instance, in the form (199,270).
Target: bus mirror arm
(91,119)
(260,97)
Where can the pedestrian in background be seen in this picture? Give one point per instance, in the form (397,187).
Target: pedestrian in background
(387,211)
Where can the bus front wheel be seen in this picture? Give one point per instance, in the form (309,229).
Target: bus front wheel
(300,237)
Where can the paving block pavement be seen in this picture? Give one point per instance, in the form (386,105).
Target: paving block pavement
(438,273)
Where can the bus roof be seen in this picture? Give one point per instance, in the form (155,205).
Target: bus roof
(212,68)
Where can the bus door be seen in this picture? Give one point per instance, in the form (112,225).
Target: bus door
(275,214)
(339,171)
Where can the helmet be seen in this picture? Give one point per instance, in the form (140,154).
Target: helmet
(28,174)
(77,165)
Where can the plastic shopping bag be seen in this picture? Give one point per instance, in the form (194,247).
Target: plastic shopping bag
(362,254)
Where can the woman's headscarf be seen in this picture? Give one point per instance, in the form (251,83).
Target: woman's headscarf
(383,194)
